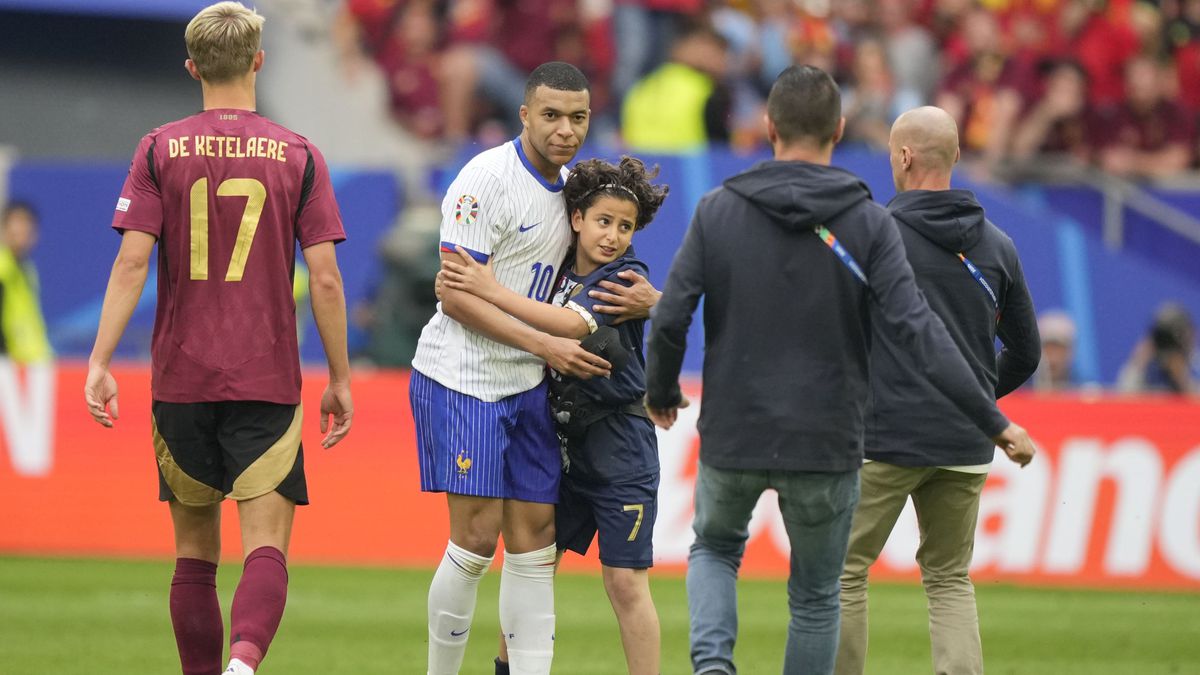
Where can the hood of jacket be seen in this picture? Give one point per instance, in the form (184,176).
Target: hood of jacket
(799,195)
(952,219)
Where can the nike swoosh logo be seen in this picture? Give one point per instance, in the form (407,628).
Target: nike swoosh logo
(526,228)
(462,632)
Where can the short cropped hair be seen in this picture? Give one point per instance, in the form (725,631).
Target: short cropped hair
(556,75)
(805,104)
(223,39)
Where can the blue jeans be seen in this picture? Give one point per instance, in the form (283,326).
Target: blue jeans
(817,510)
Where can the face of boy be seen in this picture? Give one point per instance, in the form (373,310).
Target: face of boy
(605,232)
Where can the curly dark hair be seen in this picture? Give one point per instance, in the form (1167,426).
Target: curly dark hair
(628,180)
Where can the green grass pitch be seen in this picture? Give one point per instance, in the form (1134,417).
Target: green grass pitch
(97,617)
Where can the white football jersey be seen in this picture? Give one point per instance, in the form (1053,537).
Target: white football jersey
(500,209)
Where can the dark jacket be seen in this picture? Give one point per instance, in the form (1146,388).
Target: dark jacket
(788,326)
(911,423)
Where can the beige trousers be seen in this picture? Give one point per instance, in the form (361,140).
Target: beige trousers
(947,503)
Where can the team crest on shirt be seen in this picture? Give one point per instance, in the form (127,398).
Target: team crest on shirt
(466,210)
(464,463)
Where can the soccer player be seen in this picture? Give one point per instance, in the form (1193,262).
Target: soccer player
(479,400)
(227,194)
(610,473)
(918,443)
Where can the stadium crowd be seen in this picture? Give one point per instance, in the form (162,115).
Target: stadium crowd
(1109,83)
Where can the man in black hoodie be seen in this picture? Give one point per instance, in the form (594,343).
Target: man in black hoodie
(918,443)
(796,265)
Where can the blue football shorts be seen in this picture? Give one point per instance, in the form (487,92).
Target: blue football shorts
(503,450)
(620,515)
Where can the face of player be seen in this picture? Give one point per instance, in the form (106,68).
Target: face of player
(604,232)
(556,122)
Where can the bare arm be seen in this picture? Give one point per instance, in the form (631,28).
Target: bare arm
(125,285)
(465,274)
(562,354)
(1032,131)
(1169,161)
(329,312)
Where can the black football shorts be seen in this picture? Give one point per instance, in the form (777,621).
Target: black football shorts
(235,449)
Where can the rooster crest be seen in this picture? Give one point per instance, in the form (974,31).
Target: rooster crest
(464,463)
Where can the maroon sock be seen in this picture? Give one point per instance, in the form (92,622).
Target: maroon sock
(258,605)
(196,616)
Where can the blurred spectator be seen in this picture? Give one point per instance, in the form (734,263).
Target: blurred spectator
(407,53)
(1147,135)
(851,22)
(493,45)
(22,328)
(911,52)
(983,94)
(1057,122)
(1164,361)
(871,101)
(643,30)
(683,104)
(1181,35)
(1101,45)
(1054,372)
(1146,21)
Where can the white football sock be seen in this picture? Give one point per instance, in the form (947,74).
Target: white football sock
(527,610)
(452,606)
(237,667)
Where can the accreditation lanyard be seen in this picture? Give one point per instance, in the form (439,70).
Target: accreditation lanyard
(982,282)
(841,252)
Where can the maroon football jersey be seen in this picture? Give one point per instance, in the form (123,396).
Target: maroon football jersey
(228,193)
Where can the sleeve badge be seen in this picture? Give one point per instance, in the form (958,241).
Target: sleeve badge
(466,211)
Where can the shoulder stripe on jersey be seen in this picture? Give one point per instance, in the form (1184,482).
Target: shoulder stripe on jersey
(310,173)
(150,163)
(481,258)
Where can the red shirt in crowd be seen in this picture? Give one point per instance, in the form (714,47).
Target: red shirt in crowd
(1166,124)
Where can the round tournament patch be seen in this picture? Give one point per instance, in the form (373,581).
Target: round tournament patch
(466,210)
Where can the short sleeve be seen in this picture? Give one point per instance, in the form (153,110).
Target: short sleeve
(584,304)
(474,213)
(140,205)
(317,217)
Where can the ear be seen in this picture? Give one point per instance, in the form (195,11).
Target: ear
(577,220)
(841,131)
(190,66)
(524,115)
(957,155)
(772,132)
(258,60)
(906,157)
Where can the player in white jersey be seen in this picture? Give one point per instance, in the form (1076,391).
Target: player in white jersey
(484,432)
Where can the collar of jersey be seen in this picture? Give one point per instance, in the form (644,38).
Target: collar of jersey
(556,186)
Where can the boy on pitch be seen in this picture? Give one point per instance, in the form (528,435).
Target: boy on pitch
(610,454)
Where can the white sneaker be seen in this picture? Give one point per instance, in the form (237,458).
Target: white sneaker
(237,667)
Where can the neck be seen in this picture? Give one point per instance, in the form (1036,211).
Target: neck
(804,152)
(928,180)
(544,167)
(238,94)
(583,266)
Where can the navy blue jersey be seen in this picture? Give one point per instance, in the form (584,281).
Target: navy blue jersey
(619,447)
